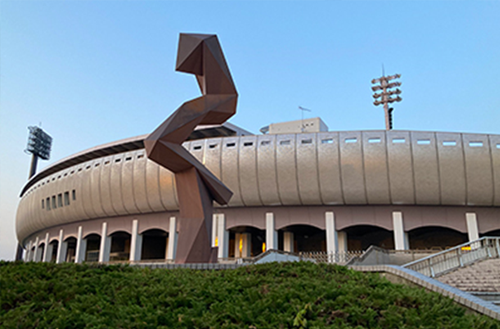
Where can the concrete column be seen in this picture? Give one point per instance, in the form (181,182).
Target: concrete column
(172,239)
(242,245)
(135,242)
(288,242)
(47,251)
(35,253)
(62,248)
(271,233)
(400,239)
(215,231)
(81,246)
(223,237)
(105,246)
(332,245)
(472,228)
(27,256)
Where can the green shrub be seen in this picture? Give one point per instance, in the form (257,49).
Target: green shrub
(285,295)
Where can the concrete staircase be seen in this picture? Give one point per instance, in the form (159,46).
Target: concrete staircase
(481,279)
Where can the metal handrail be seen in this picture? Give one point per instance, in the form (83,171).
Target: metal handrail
(456,257)
(316,256)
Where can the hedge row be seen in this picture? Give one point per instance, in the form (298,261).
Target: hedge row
(285,295)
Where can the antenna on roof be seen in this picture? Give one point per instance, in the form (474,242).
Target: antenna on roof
(302,109)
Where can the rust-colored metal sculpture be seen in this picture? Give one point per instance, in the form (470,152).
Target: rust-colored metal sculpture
(197,187)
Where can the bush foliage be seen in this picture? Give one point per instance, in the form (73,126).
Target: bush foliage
(285,295)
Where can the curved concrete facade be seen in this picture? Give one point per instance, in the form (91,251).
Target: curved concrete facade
(431,174)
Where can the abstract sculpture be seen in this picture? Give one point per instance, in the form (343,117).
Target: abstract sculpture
(197,187)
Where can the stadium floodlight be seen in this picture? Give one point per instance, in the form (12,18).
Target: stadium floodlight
(384,84)
(39,145)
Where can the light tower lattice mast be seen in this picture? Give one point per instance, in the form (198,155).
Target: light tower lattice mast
(385,85)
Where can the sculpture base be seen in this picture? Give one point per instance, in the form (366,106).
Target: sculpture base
(195,222)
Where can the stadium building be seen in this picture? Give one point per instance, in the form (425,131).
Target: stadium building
(298,187)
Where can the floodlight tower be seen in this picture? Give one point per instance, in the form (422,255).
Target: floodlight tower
(39,144)
(385,85)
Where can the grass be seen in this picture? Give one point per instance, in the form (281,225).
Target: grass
(285,295)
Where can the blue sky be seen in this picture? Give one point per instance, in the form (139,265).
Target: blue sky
(97,71)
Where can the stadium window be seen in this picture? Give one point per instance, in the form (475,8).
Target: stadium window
(47,202)
(58,176)
(97,165)
(212,146)
(398,140)
(72,172)
(128,158)
(374,140)
(475,144)
(73,195)
(197,147)
(248,144)
(54,206)
(140,156)
(66,198)
(423,142)
(327,141)
(351,140)
(230,144)
(66,174)
(118,160)
(307,141)
(287,142)
(43,204)
(88,167)
(449,143)
(59,200)
(106,163)
(79,169)
(265,142)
